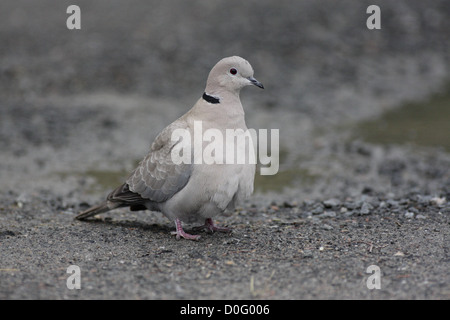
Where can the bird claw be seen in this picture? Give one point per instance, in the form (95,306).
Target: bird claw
(180,232)
(185,235)
(211,227)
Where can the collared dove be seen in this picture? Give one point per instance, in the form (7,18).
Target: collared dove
(192,192)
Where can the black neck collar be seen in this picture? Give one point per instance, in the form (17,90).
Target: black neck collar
(210,99)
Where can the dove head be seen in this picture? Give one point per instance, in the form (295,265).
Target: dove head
(230,75)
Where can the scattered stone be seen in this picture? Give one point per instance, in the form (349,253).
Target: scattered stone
(438,201)
(404,201)
(328,214)
(287,204)
(423,199)
(327,227)
(413,210)
(365,208)
(392,203)
(317,210)
(22,199)
(307,214)
(409,214)
(390,195)
(331,203)
(350,205)
(308,254)
(348,213)
(367,190)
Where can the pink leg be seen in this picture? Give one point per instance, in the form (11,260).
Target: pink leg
(211,227)
(180,232)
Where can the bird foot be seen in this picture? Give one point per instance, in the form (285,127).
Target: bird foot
(180,232)
(211,227)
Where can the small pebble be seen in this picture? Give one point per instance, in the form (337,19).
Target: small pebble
(327,227)
(365,208)
(328,214)
(317,210)
(330,203)
(409,214)
(438,201)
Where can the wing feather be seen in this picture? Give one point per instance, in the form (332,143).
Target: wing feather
(157,178)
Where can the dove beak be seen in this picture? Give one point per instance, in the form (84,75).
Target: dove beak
(255,82)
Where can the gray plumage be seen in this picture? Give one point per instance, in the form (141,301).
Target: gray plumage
(192,192)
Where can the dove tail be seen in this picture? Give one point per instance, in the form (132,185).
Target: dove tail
(92,211)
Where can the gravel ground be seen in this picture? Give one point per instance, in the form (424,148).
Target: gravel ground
(72,101)
(311,250)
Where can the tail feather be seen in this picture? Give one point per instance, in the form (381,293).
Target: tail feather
(92,211)
(120,197)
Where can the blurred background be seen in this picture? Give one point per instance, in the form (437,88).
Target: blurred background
(358,110)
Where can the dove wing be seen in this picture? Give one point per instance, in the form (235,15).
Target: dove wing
(157,177)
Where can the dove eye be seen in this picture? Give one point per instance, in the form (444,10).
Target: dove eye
(233,71)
